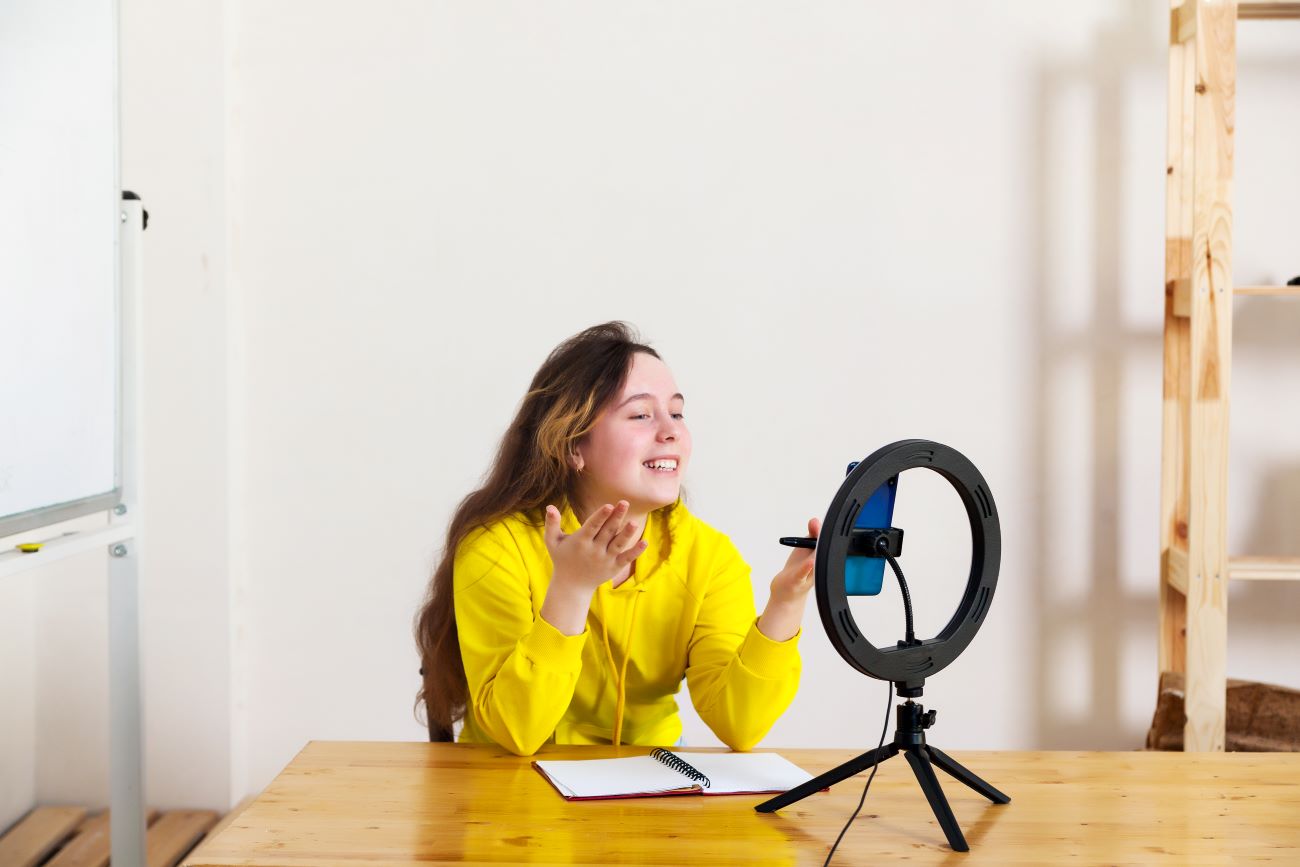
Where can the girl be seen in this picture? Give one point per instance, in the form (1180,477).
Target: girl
(576,591)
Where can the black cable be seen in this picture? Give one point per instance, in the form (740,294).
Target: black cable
(882,545)
(889,700)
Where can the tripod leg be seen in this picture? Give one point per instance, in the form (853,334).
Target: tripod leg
(956,769)
(934,794)
(830,778)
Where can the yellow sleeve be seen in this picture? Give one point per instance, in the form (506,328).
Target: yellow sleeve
(740,680)
(521,671)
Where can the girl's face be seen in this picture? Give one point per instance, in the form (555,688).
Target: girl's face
(639,447)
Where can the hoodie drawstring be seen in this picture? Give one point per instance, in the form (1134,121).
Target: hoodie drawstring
(620,671)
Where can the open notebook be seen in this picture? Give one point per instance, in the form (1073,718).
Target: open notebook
(667,773)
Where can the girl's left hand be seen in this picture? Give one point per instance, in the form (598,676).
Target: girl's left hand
(781,618)
(794,581)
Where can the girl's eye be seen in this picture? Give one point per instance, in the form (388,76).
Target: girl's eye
(679,415)
(642,415)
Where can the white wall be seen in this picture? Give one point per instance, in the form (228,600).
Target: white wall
(966,204)
(18,686)
(174,119)
(841,224)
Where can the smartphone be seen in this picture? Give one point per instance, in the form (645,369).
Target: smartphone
(864,576)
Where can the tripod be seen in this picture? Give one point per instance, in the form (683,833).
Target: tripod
(909,739)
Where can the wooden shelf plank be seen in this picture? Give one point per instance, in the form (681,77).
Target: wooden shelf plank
(1281,291)
(172,837)
(1176,569)
(1264,568)
(1261,9)
(90,848)
(1181,289)
(1183,24)
(37,835)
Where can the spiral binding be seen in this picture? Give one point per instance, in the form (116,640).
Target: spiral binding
(680,765)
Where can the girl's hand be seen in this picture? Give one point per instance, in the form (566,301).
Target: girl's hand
(783,615)
(597,552)
(794,581)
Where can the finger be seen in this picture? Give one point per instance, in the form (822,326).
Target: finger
(595,522)
(796,577)
(613,524)
(626,538)
(800,559)
(631,553)
(552,533)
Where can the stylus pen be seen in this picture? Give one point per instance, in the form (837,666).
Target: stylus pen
(799,541)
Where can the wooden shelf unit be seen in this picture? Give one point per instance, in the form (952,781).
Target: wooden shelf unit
(1194,566)
(1260,10)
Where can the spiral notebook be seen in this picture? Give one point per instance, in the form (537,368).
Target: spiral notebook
(667,773)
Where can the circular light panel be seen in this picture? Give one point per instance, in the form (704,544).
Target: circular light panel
(907,665)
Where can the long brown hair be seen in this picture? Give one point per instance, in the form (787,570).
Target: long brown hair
(531,469)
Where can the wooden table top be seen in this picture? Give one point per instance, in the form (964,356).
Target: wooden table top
(343,803)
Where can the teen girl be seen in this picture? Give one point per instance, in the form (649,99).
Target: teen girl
(576,591)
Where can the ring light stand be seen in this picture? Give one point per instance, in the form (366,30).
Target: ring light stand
(910,662)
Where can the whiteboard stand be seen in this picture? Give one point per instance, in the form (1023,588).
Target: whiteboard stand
(125,714)
(120,540)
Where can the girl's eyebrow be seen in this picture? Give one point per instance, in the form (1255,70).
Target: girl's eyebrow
(646,394)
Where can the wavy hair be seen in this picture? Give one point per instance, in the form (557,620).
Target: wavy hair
(531,469)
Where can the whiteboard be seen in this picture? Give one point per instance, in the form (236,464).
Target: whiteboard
(59,229)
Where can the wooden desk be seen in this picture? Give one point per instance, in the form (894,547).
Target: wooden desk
(422,804)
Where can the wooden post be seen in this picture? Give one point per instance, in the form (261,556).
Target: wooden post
(1211,356)
(1172,649)
(1197,360)
(1198,355)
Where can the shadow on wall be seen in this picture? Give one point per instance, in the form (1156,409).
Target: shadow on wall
(1265,332)
(1268,608)
(1105,347)
(1273,520)
(1113,353)
(1264,337)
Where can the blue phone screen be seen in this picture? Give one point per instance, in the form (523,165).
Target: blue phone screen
(863,576)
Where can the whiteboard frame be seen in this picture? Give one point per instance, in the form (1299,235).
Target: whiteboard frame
(53,513)
(35,519)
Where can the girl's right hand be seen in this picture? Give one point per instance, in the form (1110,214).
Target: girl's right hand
(598,551)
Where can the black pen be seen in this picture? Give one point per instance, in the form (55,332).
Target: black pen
(799,541)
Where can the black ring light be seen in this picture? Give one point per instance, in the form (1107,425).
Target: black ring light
(907,666)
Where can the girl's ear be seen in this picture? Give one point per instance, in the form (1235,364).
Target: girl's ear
(576,461)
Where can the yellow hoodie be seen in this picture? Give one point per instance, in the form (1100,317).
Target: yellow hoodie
(688,610)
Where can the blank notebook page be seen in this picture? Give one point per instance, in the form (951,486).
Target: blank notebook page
(632,775)
(730,773)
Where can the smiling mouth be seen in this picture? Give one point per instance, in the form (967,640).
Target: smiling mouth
(664,465)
